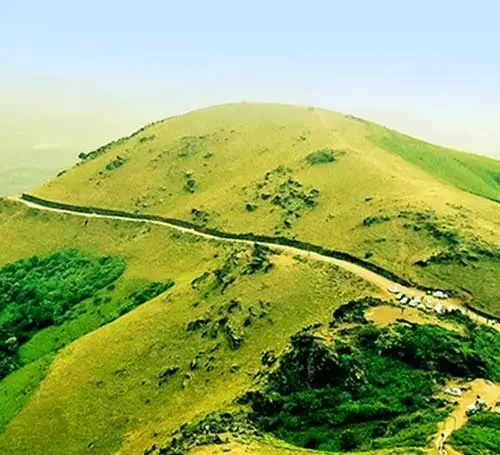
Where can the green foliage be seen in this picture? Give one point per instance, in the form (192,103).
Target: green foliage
(39,292)
(485,341)
(259,261)
(149,138)
(354,311)
(337,397)
(285,193)
(441,351)
(116,163)
(371,220)
(371,388)
(479,436)
(322,156)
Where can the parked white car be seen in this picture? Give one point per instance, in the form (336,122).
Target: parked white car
(454,391)
(393,289)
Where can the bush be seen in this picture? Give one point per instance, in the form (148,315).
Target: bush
(479,436)
(322,156)
(371,220)
(116,163)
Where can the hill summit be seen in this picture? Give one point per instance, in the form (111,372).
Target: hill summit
(309,174)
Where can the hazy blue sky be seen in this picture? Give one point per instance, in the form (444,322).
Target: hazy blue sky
(73,75)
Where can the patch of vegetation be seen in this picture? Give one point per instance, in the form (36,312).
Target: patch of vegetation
(323,156)
(213,429)
(342,397)
(116,163)
(190,182)
(428,222)
(371,220)
(39,292)
(200,216)
(251,207)
(479,436)
(259,260)
(440,351)
(369,388)
(280,191)
(149,138)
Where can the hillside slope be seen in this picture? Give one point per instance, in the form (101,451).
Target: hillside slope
(425,212)
(124,382)
(104,392)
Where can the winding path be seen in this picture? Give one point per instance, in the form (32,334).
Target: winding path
(489,390)
(379,277)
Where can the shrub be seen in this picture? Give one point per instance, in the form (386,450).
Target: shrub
(116,163)
(322,156)
(147,138)
(480,435)
(371,220)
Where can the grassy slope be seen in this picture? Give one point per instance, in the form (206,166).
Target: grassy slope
(472,173)
(241,142)
(102,391)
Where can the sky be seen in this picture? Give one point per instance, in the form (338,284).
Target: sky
(76,74)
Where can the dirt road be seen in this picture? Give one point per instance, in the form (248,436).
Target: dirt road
(376,279)
(488,391)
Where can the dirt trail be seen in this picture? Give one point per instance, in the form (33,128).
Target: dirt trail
(368,275)
(486,390)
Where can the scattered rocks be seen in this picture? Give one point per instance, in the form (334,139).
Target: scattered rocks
(197,324)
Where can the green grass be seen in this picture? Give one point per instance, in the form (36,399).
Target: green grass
(36,348)
(16,389)
(479,278)
(479,436)
(472,173)
(104,307)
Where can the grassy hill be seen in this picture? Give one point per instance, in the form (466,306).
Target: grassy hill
(116,336)
(310,174)
(104,389)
